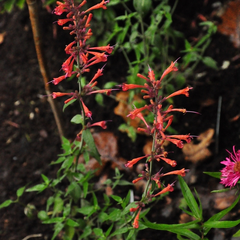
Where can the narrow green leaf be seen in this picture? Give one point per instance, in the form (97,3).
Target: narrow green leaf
(88,138)
(191,202)
(53,220)
(237,234)
(221,224)
(85,189)
(86,232)
(58,227)
(86,210)
(208,61)
(20,191)
(37,188)
(117,198)
(45,179)
(6,203)
(58,205)
(69,103)
(120,231)
(8,5)
(214,174)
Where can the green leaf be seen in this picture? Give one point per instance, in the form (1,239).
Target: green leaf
(59,160)
(45,179)
(20,191)
(117,198)
(43,216)
(86,232)
(99,99)
(208,61)
(88,138)
(87,210)
(20,3)
(37,188)
(58,227)
(109,85)
(115,215)
(58,205)
(131,132)
(219,215)
(191,202)
(68,162)
(71,223)
(221,190)
(237,234)
(53,220)
(102,217)
(98,232)
(214,174)
(221,224)
(120,231)
(6,203)
(69,103)
(142,6)
(8,5)
(77,119)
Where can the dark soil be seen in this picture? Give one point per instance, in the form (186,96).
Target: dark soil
(29,139)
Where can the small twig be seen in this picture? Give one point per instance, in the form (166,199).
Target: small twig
(32,236)
(33,14)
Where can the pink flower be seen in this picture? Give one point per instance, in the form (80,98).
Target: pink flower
(231,173)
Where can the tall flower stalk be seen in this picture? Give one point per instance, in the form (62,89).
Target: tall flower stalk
(162,120)
(81,54)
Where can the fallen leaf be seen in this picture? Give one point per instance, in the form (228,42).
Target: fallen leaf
(197,152)
(185,218)
(2,36)
(223,202)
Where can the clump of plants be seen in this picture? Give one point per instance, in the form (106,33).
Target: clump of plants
(76,208)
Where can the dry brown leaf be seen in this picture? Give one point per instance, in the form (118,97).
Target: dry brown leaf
(107,146)
(224,202)
(185,218)
(123,109)
(2,36)
(197,152)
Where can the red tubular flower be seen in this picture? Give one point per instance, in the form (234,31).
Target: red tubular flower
(97,75)
(136,220)
(184,91)
(63,21)
(61,8)
(177,142)
(181,172)
(186,138)
(70,99)
(136,180)
(101,124)
(172,163)
(60,94)
(57,80)
(143,77)
(126,87)
(169,69)
(151,75)
(68,47)
(87,112)
(87,24)
(134,209)
(135,160)
(169,188)
(134,113)
(97,6)
(102,57)
(107,48)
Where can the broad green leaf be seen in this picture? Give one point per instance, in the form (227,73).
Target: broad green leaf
(6,203)
(214,174)
(86,232)
(58,205)
(95,201)
(77,119)
(86,210)
(59,160)
(8,5)
(191,202)
(117,198)
(20,3)
(43,216)
(115,215)
(45,179)
(208,61)
(71,223)
(131,132)
(142,6)
(102,217)
(20,191)
(109,85)
(66,145)
(68,162)
(98,232)
(88,138)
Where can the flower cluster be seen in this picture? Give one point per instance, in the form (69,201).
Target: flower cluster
(231,172)
(157,130)
(80,53)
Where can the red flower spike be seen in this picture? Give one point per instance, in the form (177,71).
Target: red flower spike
(97,6)
(184,91)
(60,8)
(136,220)
(135,160)
(101,124)
(57,80)
(87,112)
(181,172)
(169,188)
(169,69)
(126,87)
